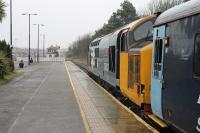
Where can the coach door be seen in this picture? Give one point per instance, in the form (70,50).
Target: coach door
(157,71)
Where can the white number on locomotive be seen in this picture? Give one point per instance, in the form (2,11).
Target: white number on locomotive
(198,126)
(198,122)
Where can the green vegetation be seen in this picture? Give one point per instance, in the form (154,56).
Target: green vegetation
(6,63)
(9,76)
(2,10)
(79,47)
(126,14)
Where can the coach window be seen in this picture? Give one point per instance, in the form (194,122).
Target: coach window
(112,59)
(197,56)
(96,52)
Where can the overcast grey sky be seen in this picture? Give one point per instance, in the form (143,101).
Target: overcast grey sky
(64,20)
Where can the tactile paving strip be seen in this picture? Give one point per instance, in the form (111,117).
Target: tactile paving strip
(95,120)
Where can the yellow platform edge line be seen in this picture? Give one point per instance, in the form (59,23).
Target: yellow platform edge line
(158,121)
(123,106)
(83,115)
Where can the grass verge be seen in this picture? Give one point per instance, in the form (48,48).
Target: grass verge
(9,76)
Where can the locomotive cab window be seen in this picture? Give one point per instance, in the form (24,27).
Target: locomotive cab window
(142,32)
(158,50)
(197,56)
(158,54)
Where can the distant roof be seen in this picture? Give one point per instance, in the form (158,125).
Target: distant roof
(54,47)
(186,9)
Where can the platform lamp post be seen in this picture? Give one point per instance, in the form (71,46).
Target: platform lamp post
(29,41)
(11,23)
(11,30)
(38,43)
(43,35)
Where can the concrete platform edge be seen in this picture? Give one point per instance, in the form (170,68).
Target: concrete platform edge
(83,115)
(127,109)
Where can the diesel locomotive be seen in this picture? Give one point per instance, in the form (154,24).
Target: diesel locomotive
(155,62)
(123,59)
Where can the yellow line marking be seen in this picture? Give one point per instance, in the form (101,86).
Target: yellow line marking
(127,109)
(83,115)
(158,121)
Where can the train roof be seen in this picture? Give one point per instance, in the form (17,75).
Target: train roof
(138,22)
(184,10)
(112,37)
(97,39)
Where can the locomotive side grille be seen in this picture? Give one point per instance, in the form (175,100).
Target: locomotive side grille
(134,70)
(137,68)
(130,71)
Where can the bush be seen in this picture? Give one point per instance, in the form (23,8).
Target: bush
(6,64)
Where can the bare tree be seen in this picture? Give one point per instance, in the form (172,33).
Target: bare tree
(156,6)
(79,48)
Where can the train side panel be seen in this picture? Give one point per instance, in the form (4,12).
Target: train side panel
(146,61)
(181,74)
(123,72)
(135,73)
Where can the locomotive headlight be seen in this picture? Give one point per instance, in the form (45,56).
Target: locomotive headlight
(142,89)
(166,41)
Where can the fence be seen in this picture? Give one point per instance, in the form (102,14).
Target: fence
(43,59)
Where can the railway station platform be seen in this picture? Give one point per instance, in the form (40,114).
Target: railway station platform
(100,111)
(41,100)
(60,98)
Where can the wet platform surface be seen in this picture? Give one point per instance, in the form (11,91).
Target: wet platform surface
(103,114)
(40,101)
